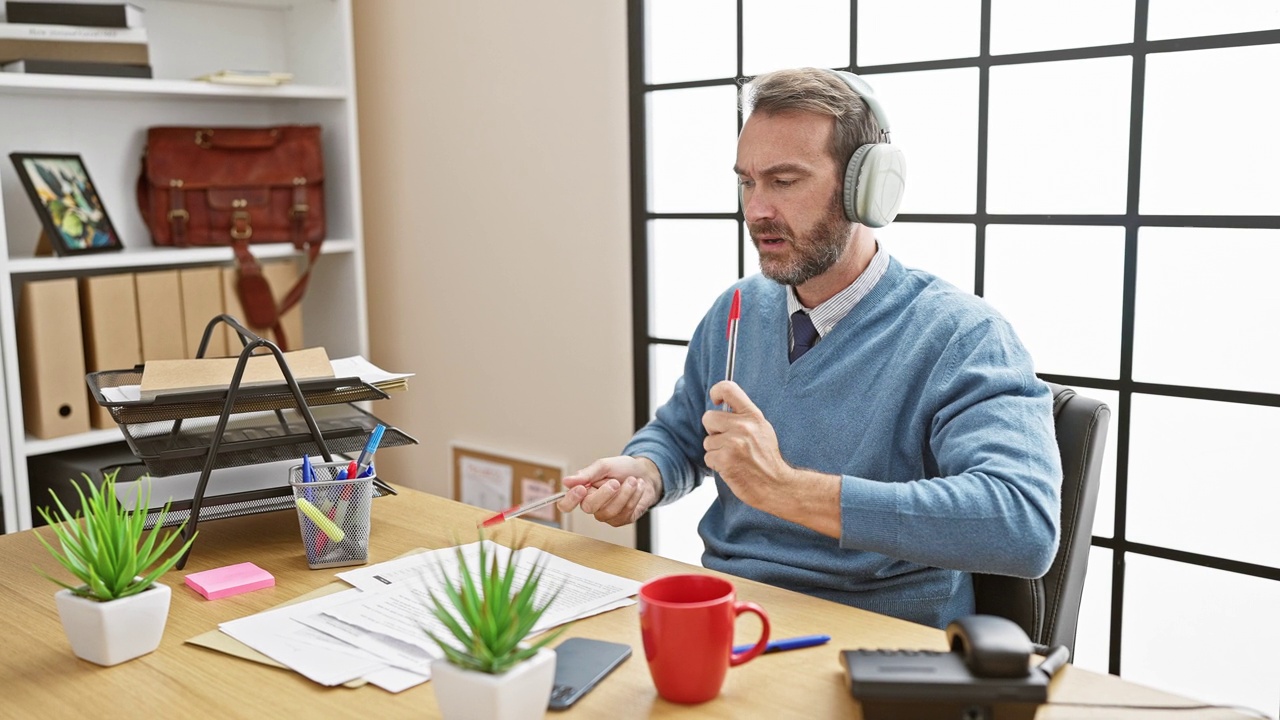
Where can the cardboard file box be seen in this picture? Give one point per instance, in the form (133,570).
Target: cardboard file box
(109,319)
(55,399)
(159,315)
(202,302)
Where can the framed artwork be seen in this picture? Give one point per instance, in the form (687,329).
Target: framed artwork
(71,213)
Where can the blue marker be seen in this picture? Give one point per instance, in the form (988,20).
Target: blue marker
(308,475)
(370,447)
(794,643)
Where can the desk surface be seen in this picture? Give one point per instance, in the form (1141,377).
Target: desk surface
(41,677)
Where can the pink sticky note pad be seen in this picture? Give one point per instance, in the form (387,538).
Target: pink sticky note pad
(230,580)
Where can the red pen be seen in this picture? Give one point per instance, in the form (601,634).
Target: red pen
(731,333)
(518,510)
(339,509)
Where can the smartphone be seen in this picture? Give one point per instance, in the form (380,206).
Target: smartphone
(580,664)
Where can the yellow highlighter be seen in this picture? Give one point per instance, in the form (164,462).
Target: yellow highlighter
(327,526)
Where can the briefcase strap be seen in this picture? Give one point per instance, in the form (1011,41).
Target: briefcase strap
(178,215)
(256,299)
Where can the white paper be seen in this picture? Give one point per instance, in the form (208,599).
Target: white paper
(314,654)
(400,655)
(122,393)
(354,366)
(223,481)
(396,680)
(485,484)
(357,366)
(378,632)
(397,602)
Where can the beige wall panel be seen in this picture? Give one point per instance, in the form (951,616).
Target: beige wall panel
(494,159)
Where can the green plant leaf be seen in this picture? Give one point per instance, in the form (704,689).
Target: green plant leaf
(487,614)
(109,550)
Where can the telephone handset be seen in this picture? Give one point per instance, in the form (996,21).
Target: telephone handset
(995,647)
(989,662)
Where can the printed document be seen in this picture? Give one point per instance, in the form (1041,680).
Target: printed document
(396,605)
(377,630)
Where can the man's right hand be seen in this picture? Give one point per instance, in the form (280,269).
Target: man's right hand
(616,490)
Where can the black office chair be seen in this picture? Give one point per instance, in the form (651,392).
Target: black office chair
(1048,608)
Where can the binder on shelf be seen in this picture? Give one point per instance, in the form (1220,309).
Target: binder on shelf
(109,321)
(51,359)
(201,299)
(159,296)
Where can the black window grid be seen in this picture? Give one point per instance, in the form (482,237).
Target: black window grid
(1139,49)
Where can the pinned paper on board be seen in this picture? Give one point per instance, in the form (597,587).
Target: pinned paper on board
(497,482)
(485,484)
(532,491)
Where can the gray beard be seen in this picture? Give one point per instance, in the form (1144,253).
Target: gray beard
(815,253)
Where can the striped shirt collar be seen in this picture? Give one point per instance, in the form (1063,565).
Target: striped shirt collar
(826,315)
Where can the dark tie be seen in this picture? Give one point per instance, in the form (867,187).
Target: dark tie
(803,333)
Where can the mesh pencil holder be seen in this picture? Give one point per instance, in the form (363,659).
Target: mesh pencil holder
(333,515)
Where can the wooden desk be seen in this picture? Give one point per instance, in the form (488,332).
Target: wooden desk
(40,677)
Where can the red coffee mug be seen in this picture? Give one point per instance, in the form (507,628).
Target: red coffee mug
(687,622)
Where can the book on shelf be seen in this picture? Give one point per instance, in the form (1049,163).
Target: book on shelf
(106,52)
(73,67)
(71,33)
(265,78)
(68,42)
(112,15)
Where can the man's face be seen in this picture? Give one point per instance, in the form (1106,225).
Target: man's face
(791,197)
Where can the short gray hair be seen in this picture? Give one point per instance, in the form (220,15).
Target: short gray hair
(820,92)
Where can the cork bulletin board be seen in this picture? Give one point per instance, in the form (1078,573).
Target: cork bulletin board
(496,482)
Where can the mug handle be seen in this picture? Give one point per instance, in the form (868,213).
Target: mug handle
(738,609)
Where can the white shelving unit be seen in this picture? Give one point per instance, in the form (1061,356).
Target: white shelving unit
(104,121)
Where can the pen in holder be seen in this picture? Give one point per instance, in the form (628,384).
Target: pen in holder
(333,514)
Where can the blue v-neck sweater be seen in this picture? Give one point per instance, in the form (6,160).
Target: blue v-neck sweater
(924,401)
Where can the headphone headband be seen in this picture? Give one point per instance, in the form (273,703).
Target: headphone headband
(863,89)
(876,174)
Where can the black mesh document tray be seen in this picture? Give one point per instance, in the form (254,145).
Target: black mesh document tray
(181,405)
(253,438)
(198,431)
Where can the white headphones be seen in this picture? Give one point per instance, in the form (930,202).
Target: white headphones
(876,175)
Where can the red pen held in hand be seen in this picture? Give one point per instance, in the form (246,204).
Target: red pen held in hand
(731,334)
(518,510)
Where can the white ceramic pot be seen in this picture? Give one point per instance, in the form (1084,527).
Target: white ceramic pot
(521,693)
(108,633)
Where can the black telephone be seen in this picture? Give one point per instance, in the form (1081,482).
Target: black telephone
(989,662)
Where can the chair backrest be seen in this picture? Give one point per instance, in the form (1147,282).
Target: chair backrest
(1048,608)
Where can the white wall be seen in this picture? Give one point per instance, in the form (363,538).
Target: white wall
(494,145)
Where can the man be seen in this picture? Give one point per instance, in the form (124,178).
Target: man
(909,447)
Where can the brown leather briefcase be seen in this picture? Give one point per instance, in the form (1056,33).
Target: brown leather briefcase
(238,186)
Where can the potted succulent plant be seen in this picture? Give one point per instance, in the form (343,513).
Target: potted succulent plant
(489,669)
(119,611)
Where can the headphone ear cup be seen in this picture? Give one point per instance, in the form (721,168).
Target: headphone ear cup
(851,173)
(874,181)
